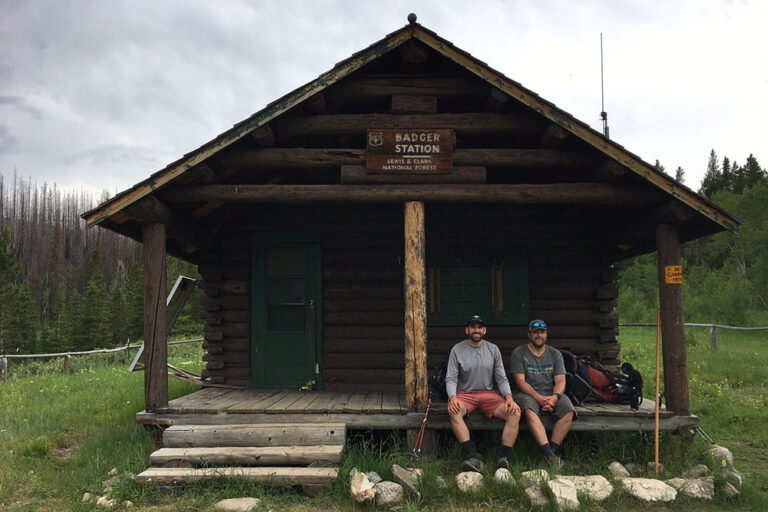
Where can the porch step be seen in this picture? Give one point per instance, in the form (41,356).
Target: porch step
(247,456)
(275,454)
(288,434)
(283,476)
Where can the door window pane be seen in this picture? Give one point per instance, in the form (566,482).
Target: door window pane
(286,261)
(285,318)
(282,290)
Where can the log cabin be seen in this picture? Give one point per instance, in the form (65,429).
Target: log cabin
(344,232)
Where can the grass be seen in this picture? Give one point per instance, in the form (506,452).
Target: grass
(60,435)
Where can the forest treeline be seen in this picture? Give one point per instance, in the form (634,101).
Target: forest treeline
(725,276)
(64,287)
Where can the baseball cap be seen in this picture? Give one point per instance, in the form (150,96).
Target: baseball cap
(535,325)
(475,319)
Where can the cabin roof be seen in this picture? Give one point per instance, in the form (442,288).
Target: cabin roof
(717,218)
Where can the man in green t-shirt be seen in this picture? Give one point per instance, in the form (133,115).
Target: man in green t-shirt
(539,375)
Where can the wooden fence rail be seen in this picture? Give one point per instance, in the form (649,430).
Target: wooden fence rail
(712,329)
(67,355)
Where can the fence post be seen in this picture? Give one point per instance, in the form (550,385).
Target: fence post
(713,336)
(3,369)
(66,363)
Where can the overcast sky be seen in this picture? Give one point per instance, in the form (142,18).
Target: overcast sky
(100,94)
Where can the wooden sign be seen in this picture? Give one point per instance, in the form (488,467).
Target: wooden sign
(673,274)
(409,151)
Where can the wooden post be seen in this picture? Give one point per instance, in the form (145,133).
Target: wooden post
(416,384)
(67,364)
(155,338)
(713,336)
(673,347)
(3,369)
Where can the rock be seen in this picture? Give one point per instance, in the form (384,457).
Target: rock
(314,490)
(416,472)
(618,470)
(360,487)
(374,477)
(650,468)
(730,490)
(536,497)
(441,483)
(635,470)
(469,481)
(676,483)
(720,456)
(565,494)
(702,488)
(407,478)
(533,477)
(733,476)
(595,487)
(87,498)
(112,472)
(503,476)
(648,489)
(238,504)
(696,471)
(388,494)
(105,502)
(127,504)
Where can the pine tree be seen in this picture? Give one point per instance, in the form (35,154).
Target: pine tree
(680,175)
(95,320)
(16,313)
(753,173)
(712,178)
(727,178)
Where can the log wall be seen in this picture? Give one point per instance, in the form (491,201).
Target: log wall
(362,276)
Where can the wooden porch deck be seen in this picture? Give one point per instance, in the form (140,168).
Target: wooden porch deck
(371,410)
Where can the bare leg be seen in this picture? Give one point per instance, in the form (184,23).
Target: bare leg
(511,425)
(561,428)
(536,427)
(458,425)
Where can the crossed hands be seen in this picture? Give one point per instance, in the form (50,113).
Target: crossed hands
(547,403)
(510,406)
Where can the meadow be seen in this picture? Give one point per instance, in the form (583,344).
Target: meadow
(60,435)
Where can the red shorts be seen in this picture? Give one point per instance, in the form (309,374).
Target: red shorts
(486,401)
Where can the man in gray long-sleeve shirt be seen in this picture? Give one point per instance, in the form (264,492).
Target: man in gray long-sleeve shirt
(473,366)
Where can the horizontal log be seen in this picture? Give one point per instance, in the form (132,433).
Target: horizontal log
(358,305)
(247,456)
(228,315)
(366,375)
(285,476)
(370,273)
(181,436)
(572,304)
(352,256)
(213,349)
(358,174)
(232,343)
(558,193)
(362,290)
(370,318)
(572,290)
(213,335)
(413,104)
(228,372)
(229,358)
(470,123)
(231,287)
(366,88)
(225,302)
(224,272)
(231,329)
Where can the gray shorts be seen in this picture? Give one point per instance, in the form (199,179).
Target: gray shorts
(563,406)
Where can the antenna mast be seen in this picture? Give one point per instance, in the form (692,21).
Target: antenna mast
(603,113)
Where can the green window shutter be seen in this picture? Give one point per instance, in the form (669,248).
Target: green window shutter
(456,292)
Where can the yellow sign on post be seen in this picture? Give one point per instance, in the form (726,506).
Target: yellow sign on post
(673,274)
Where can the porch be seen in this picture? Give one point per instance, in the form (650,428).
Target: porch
(372,410)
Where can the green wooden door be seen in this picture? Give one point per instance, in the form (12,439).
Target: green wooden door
(285,314)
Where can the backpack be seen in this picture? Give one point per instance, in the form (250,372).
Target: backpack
(622,388)
(577,384)
(438,378)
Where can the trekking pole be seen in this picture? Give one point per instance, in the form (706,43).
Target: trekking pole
(420,436)
(658,405)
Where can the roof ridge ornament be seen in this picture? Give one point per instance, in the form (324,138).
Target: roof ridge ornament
(412,18)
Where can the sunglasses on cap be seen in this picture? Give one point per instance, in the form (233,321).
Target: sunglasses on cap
(537,324)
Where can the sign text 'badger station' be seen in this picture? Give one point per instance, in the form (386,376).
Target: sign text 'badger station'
(410,151)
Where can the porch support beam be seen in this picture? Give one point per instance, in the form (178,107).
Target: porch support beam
(674,351)
(556,193)
(155,318)
(416,380)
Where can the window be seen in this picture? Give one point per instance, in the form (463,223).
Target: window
(496,289)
